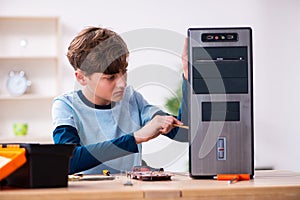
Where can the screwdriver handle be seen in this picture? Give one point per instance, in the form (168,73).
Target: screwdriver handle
(228,177)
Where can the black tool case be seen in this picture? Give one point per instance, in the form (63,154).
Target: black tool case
(47,166)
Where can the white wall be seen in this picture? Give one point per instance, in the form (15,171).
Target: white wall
(276,42)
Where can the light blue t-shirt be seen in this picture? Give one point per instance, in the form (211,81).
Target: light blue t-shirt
(97,125)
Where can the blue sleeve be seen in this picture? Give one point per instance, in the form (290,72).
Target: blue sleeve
(84,156)
(180,134)
(146,111)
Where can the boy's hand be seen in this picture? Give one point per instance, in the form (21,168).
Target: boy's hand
(184,59)
(158,125)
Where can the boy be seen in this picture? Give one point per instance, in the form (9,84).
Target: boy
(106,119)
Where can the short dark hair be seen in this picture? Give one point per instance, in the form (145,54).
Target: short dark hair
(97,49)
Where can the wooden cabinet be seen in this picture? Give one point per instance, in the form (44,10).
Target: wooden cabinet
(29,44)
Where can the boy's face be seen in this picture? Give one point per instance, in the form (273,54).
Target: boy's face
(102,89)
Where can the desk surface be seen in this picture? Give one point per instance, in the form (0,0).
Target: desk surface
(265,185)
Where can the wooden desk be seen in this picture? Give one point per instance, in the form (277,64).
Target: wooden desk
(266,185)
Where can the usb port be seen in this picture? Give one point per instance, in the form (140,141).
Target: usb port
(221,148)
(209,37)
(230,37)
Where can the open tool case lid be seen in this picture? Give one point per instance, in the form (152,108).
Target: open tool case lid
(12,157)
(46,165)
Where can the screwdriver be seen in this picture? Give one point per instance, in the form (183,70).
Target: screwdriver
(232,178)
(181,126)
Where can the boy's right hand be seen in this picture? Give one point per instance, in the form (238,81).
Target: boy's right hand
(158,125)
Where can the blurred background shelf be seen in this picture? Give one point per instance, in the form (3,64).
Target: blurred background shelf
(29,44)
(26,97)
(27,139)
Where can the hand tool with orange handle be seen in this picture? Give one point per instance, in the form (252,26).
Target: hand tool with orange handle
(232,177)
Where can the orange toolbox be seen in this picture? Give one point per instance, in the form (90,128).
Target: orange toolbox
(12,157)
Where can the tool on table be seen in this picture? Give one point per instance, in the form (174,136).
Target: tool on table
(89,177)
(232,178)
(106,172)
